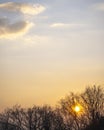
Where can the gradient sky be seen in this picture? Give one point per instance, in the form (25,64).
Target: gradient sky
(49,48)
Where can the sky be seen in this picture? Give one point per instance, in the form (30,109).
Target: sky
(49,48)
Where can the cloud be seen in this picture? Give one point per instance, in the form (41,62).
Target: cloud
(24,8)
(99,6)
(65,25)
(12,30)
(58,25)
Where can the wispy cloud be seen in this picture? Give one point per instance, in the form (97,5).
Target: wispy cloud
(66,25)
(11,30)
(99,6)
(24,8)
(56,25)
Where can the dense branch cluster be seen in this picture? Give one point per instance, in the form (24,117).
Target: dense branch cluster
(63,117)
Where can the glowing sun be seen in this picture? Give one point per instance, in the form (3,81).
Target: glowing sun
(77,108)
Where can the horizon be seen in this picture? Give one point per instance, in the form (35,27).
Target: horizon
(49,48)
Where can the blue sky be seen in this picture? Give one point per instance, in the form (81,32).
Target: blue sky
(48,48)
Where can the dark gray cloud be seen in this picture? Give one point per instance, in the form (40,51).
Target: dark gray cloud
(11,25)
(18,28)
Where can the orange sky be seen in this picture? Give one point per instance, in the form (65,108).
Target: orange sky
(48,49)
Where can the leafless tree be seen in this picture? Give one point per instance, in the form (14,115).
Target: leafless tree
(93,102)
(5,117)
(72,118)
(33,119)
(62,117)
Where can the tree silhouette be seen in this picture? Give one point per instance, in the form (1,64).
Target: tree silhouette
(84,111)
(93,103)
(72,118)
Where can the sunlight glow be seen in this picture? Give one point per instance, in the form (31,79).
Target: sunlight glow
(77,108)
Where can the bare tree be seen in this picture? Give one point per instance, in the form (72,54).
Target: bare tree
(47,115)
(66,116)
(17,116)
(68,104)
(58,120)
(93,102)
(33,119)
(5,117)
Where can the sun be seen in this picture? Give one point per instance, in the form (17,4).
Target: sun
(77,108)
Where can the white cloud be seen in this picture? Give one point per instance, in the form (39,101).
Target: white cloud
(12,30)
(65,25)
(58,25)
(24,8)
(99,6)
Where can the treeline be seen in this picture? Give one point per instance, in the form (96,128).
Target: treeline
(84,111)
